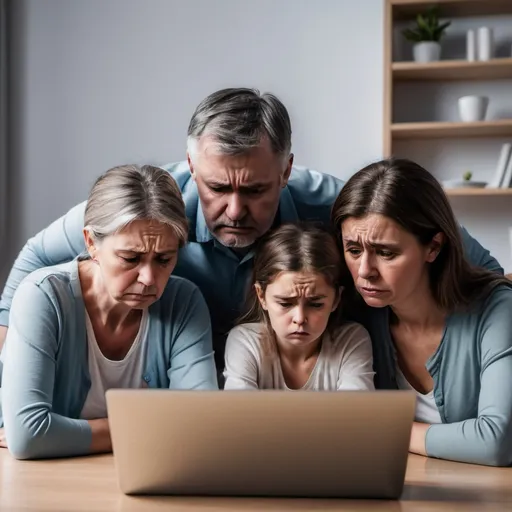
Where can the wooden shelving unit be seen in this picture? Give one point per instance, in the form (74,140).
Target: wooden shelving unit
(453,70)
(482,192)
(497,128)
(445,70)
(407,9)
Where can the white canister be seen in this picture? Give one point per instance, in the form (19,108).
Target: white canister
(473,108)
(485,43)
(471,45)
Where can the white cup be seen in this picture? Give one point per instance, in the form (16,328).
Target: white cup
(473,108)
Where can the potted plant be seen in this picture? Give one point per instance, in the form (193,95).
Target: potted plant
(467,176)
(426,35)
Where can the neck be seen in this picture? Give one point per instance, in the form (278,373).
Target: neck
(419,310)
(100,306)
(297,355)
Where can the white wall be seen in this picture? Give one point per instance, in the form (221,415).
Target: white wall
(102,82)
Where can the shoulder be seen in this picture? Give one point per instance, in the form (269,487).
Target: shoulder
(498,304)
(180,171)
(313,187)
(251,331)
(349,337)
(245,335)
(488,318)
(56,282)
(309,195)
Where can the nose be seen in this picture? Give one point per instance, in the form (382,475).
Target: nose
(299,316)
(367,269)
(236,207)
(147,275)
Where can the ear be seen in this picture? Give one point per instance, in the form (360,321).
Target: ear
(191,166)
(286,174)
(435,246)
(261,295)
(338,298)
(90,244)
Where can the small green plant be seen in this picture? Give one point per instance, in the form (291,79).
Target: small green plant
(427,27)
(467,175)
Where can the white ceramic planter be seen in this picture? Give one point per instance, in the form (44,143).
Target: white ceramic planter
(473,108)
(427,51)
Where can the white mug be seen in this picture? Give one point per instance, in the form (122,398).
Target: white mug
(473,108)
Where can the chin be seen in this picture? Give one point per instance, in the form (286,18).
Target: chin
(375,302)
(236,242)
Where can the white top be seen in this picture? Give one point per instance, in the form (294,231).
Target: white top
(345,361)
(106,374)
(426,408)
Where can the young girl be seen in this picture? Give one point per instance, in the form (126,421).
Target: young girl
(293,337)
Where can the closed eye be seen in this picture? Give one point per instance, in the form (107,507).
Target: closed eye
(220,189)
(386,254)
(253,191)
(134,259)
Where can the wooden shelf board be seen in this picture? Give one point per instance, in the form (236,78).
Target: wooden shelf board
(461,192)
(453,70)
(408,9)
(432,130)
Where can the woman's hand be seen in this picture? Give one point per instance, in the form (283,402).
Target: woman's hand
(418,435)
(3,440)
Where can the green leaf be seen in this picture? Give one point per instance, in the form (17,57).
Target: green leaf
(444,26)
(420,20)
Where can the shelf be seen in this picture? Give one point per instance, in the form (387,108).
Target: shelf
(435,130)
(453,70)
(408,9)
(460,192)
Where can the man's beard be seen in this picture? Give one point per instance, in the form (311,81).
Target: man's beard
(234,241)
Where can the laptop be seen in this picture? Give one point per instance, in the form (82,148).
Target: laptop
(349,444)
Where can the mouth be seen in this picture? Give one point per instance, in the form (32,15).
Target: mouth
(299,333)
(371,291)
(236,229)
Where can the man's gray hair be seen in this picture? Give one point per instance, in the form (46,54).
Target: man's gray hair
(237,119)
(131,192)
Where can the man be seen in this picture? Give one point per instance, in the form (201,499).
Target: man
(238,183)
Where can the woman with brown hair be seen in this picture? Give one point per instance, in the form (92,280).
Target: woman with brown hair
(292,336)
(443,327)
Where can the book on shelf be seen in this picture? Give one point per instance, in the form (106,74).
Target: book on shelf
(507,177)
(504,165)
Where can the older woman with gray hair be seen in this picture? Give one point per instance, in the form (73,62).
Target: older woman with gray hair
(111,318)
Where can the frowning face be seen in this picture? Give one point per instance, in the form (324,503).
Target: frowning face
(136,263)
(299,305)
(387,263)
(239,194)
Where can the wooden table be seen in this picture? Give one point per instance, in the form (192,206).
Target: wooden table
(90,484)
